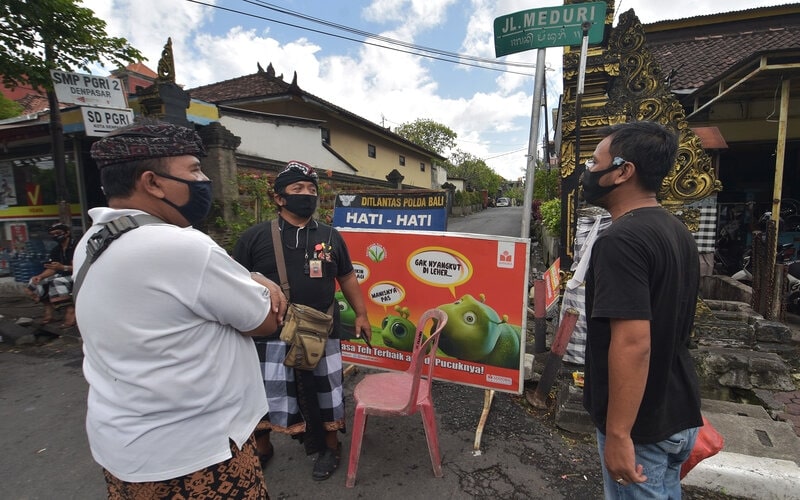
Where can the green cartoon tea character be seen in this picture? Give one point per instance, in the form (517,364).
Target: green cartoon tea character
(347,322)
(347,317)
(475,332)
(397,331)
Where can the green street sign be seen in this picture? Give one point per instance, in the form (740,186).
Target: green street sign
(548,27)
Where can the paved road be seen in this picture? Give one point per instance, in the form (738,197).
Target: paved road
(501,221)
(46,456)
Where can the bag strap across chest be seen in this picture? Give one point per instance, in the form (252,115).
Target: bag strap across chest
(277,244)
(99,242)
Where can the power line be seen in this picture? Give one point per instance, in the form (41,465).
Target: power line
(506,153)
(392,41)
(415,52)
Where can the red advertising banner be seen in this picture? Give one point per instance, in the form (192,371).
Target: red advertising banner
(19,235)
(479,281)
(552,279)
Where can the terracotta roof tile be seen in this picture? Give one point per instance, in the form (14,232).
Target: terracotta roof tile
(141,69)
(710,138)
(266,84)
(34,103)
(697,58)
(244,87)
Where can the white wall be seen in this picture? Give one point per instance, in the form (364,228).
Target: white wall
(439,177)
(283,140)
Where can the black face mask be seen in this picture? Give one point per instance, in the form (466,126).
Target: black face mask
(302,205)
(199,202)
(590,182)
(60,237)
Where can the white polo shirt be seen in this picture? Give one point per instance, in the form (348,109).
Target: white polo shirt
(171,379)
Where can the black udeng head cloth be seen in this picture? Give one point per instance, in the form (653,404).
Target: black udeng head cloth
(145,141)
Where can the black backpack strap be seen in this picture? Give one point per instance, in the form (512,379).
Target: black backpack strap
(100,240)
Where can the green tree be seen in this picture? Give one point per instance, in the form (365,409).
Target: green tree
(475,172)
(515,193)
(429,134)
(441,139)
(546,184)
(39,35)
(551,215)
(9,108)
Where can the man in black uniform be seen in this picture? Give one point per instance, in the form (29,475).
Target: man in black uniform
(304,403)
(641,292)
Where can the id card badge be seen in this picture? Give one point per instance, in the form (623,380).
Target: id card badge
(315,268)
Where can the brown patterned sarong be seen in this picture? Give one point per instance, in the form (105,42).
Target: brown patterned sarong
(240,477)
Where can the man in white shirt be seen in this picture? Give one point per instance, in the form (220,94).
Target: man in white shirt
(165,315)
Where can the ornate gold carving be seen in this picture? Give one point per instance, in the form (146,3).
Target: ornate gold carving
(609,68)
(704,310)
(564,275)
(166,65)
(568,157)
(689,216)
(692,177)
(623,82)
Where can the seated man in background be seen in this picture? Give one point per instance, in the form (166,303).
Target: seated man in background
(53,286)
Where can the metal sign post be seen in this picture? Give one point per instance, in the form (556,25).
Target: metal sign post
(578,99)
(538,89)
(538,29)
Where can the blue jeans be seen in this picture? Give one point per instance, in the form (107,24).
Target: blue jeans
(662,466)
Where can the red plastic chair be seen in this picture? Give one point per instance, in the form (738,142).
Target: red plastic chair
(401,394)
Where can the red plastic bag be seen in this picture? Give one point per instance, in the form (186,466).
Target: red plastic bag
(709,442)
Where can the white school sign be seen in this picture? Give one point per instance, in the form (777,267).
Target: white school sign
(89,90)
(98,122)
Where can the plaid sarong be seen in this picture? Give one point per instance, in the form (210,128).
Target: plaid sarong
(280,383)
(239,477)
(55,289)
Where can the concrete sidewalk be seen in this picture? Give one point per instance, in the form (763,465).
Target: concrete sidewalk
(760,459)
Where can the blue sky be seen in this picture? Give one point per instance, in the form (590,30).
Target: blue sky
(489,110)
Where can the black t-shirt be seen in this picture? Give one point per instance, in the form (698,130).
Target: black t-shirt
(64,256)
(316,241)
(645,266)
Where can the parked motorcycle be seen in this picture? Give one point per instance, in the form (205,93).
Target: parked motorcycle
(793,299)
(786,255)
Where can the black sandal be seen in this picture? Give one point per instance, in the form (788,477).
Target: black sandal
(327,463)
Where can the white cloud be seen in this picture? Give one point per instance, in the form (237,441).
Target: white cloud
(491,114)
(416,14)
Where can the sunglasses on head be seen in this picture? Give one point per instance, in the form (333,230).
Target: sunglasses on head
(591,162)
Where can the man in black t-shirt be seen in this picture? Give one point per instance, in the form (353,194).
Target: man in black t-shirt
(641,292)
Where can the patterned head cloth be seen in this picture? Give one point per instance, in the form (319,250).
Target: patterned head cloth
(295,171)
(144,141)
